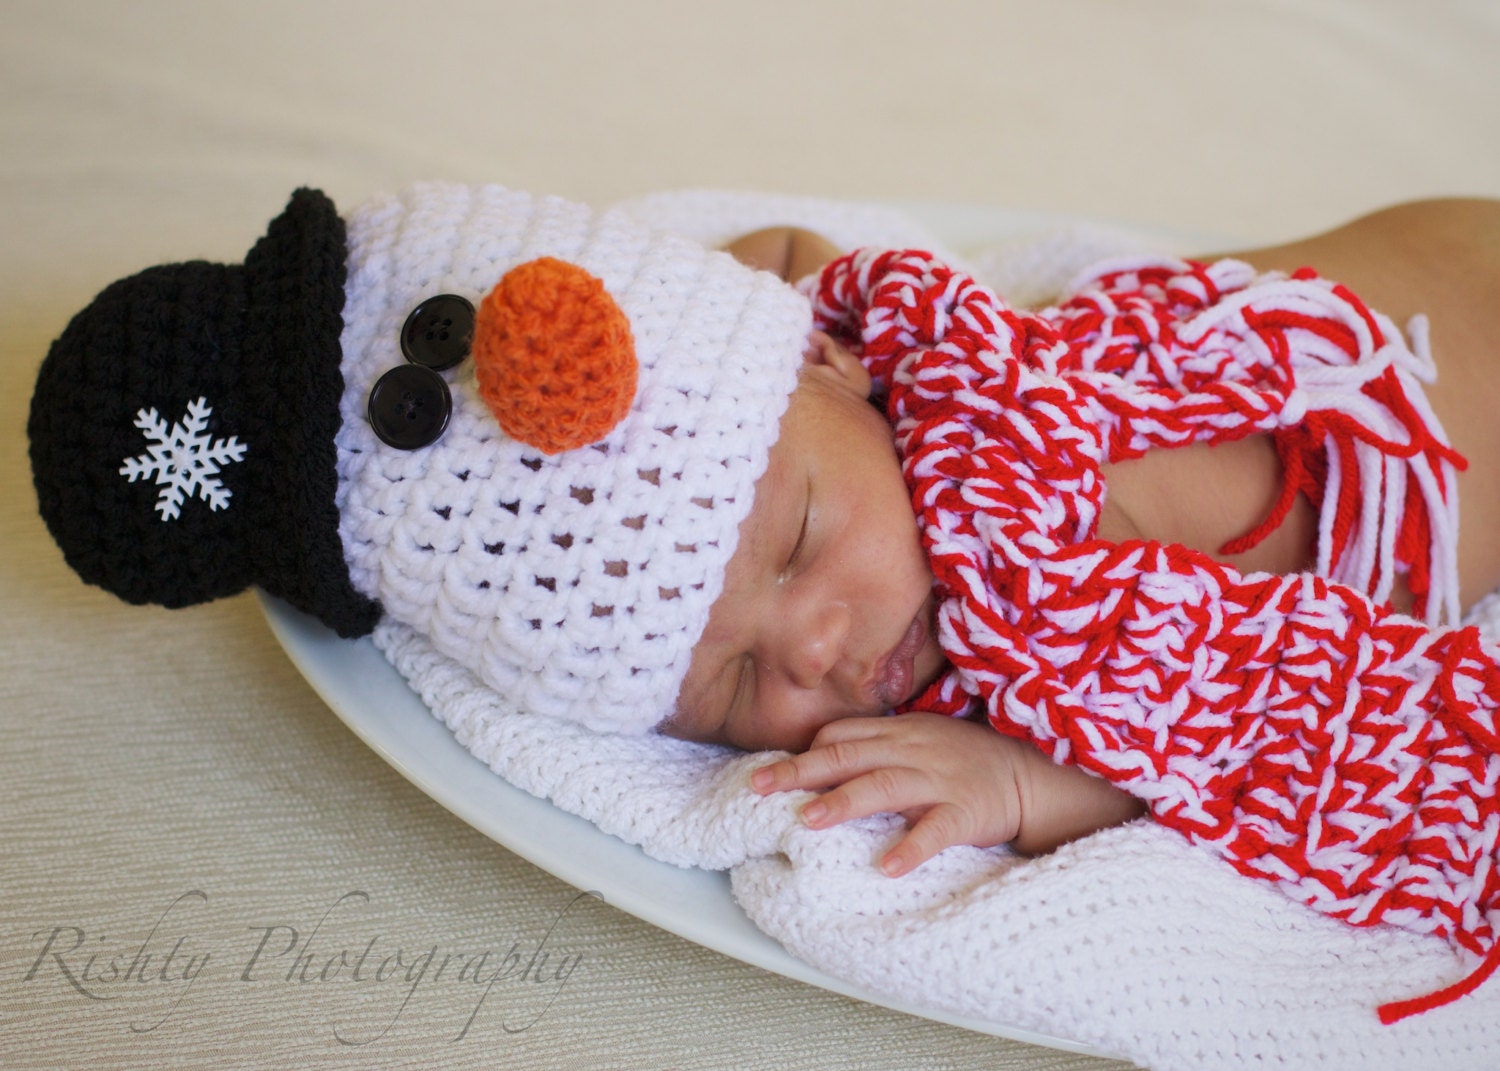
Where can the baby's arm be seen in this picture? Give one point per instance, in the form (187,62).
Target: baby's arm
(956,782)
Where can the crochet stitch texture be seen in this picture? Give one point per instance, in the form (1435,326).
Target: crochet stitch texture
(1292,724)
(553,356)
(243,353)
(575,583)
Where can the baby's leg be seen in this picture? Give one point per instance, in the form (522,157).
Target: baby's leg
(1441,258)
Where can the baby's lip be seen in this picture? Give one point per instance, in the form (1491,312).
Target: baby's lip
(895,673)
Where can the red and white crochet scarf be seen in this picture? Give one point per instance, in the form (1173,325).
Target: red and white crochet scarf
(1295,725)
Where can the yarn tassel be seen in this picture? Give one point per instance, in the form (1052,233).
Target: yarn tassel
(1385,500)
(1397,1010)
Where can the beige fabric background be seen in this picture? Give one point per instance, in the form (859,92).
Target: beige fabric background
(172,770)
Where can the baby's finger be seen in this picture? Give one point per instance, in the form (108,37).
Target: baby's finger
(778,776)
(797,771)
(887,788)
(941,827)
(845,729)
(822,766)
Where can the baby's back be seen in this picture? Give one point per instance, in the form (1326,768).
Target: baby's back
(1441,258)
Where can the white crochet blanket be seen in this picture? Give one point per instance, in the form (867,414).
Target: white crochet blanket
(1129,941)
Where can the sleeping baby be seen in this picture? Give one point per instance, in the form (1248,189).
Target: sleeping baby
(1183,544)
(829,608)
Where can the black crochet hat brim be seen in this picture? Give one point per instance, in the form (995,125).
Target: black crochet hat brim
(259,344)
(296,276)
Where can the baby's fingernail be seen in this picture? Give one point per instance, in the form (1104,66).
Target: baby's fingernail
(893,866)
(761,779)
(814,812)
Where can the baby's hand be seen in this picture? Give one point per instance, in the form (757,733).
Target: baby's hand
(956,782)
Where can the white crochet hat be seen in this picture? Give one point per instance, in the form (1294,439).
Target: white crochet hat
(524,429)
(575,583)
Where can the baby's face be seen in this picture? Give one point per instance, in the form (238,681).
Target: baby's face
(827,608)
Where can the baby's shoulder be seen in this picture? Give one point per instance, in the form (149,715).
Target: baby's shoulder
(1407,258)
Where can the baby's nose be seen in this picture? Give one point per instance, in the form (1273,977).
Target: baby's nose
(813,642)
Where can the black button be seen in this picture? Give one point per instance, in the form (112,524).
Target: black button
(439,332)
(409,407)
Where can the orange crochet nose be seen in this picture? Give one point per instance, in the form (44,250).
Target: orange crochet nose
(553,355)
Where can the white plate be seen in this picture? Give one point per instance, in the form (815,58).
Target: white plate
(367,693)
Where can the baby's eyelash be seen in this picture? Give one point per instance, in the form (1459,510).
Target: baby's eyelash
(739,690)
(802,534)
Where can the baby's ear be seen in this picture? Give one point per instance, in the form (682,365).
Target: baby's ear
(839,366)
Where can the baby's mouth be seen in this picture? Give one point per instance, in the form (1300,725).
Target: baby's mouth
(894,676)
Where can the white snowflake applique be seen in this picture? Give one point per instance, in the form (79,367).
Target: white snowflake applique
(183,460)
